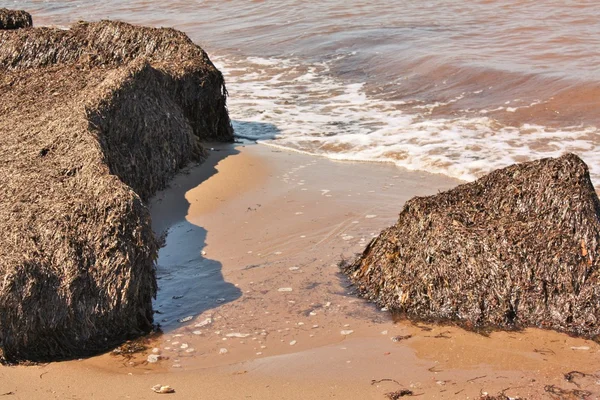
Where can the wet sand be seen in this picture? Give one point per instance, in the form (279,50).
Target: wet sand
(254,238)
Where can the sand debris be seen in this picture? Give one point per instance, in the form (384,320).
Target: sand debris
(285,289)
(223,350)
(346,332)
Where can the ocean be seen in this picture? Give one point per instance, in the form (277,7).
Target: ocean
(448,86)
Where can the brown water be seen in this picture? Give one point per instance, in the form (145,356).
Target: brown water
(455,87)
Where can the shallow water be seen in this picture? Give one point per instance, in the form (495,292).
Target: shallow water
(454,87)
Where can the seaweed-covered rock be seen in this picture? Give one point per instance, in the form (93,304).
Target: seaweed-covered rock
(94,120)
(518,247)
(14,19)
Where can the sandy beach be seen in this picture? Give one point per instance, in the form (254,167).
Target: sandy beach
(252,304)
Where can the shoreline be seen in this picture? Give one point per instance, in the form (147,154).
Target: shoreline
(262,220)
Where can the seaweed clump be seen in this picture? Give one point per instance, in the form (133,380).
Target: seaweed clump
(15,19)
(94,120)
(518,247)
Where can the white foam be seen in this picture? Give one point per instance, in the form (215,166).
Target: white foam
(290,104)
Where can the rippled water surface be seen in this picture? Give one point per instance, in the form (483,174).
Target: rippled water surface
(448,86)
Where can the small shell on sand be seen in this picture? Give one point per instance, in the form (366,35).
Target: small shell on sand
(285,289)
(580,348)
(153,358)
(293,342)
(163,389)
(238,335)
(207,321)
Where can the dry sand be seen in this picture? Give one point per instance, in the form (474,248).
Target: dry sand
(254,236)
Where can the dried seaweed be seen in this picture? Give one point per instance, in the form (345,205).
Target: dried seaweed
(518,247)
(94,120)
(14,19)
(566,394)
(399,393)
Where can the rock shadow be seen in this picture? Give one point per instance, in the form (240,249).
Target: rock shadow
(188,283)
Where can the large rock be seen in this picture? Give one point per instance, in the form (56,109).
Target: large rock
(518,247)
(14,19)
(93,120)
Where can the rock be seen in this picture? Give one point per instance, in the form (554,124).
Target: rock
(347,332)
(116,110)
(518,247)
(223,351)
(14,19)
(293,342)
(285,289)
(163,389)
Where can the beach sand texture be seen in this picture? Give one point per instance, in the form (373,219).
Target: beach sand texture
(269,227)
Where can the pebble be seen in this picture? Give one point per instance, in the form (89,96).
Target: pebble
(294,268)
(384,332)
(285,289)
(223,351)
(370,216)
(312,313)
(186,319)
(156,350)
(259,353)
(176,365)
(197,332)
(190,350)
(347,332)
(184,346)
(315,326)
(293,342)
